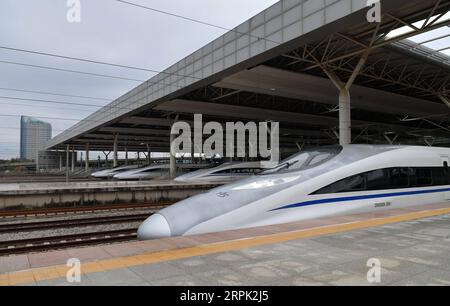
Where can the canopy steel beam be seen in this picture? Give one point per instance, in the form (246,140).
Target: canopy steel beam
(338,51)
(380,34)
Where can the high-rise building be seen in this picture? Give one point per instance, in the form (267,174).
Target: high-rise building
(34,134)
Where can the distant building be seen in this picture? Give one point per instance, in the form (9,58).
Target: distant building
(33,136)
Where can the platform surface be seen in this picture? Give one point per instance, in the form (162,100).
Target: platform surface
(411,244)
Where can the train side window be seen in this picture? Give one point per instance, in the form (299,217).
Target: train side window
(220,172)
(243,171)
(355,183)
(421,177)
(440,176)
(447,172)
(350,184)
(391,178)
(399,177)
(151,170)
(378,180)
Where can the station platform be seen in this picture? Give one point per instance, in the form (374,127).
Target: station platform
(48,187)
(38,195)
(412,246)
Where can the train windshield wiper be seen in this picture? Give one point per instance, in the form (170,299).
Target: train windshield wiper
(280,167)
(289,164)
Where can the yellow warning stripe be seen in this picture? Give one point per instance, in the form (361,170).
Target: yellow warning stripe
(40,274)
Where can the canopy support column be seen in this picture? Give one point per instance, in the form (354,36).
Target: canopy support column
(345,117)
(149,155)
(60,161)
(67,163)
(173,161)
(115,153)
(73,159)
(87,158)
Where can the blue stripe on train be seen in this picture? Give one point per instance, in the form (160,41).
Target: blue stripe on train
(364,197)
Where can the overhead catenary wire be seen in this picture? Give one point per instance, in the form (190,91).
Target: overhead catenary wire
(88,111)
(194,20)
(76,59)
(106,63)
(51,101)
(18,128)
(134,67)
(53,94)
(68,103)
(114,64)
(49,118)
(75,127)
(41,117)
(60,102)
(44,118)
(175,15)
(102,75)
(93,61)
(71,71)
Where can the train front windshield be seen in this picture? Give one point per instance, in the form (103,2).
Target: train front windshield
(305,160)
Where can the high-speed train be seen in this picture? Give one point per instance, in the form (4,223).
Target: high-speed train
(323,182)
(226,172)
(157,171)
(109,173)
(149,172)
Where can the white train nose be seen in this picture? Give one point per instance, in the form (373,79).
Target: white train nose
(154,227)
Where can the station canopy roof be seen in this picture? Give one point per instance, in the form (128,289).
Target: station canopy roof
(276,67)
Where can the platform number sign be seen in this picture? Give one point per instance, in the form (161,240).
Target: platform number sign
(73,275)
(374,274)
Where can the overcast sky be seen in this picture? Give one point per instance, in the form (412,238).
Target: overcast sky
(109,31)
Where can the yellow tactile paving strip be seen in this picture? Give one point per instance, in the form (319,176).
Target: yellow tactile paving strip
(48,273)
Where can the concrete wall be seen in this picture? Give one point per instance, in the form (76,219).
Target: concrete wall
(100,196)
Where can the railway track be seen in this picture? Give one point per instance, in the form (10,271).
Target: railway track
(79,210)
(10,247)
(58,242)
(44,225)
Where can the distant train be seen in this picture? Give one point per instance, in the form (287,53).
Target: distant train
(155,171)
(149,172)
(226,172)
(109,173)
(317,183)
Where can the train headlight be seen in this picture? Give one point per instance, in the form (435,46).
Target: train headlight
(267,183)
